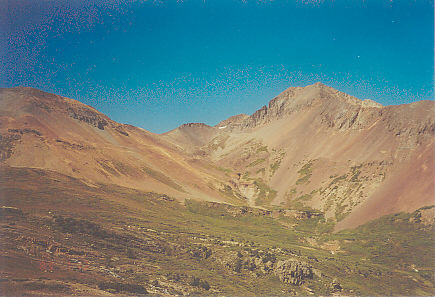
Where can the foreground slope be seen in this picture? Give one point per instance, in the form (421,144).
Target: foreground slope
(42,130)
(320,148)
(61,236)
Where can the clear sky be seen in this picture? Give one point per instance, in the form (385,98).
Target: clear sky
(158,64)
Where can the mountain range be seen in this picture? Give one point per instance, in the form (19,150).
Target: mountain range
(313,146)
(312,153)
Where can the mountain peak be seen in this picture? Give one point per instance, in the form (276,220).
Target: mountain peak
(319,90)
(28,92)
(319,85)
(371,103)
(189,127)
(329,103)
(234,120)
(194,125)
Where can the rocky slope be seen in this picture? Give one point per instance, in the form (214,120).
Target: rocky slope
(320,148)
(63,237)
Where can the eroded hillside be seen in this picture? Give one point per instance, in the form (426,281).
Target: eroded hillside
(316,147)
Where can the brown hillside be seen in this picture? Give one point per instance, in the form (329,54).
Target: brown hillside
(320,148)
(46,131)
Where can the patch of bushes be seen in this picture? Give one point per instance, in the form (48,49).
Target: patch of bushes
(256,162)
(274,166)
(55,287)
(197,282)
(305,173)
(25,131)
(276,163)
(200,252)
(262,149)
(337,179)
(265,194)
(121,287)
(175,276)
(261,170)
(72,225)
(192,280)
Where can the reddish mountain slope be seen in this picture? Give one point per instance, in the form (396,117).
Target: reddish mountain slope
(47,131)
(320,148)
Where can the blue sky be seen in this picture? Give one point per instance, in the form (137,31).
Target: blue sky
(158,64)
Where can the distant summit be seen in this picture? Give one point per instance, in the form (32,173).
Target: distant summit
(295,99)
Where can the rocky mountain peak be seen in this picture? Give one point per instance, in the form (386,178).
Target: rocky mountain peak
(232,121)
(330,103)
(194,125)
(370,103)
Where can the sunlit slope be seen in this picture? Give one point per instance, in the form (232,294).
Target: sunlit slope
(320,148)
(47,131)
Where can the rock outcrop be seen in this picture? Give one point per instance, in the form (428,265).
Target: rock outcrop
(293,271)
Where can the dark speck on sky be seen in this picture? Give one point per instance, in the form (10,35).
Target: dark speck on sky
(158,64)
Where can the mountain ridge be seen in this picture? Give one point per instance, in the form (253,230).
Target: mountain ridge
(279,105)
(321,126)
(310,130)
(75,139)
